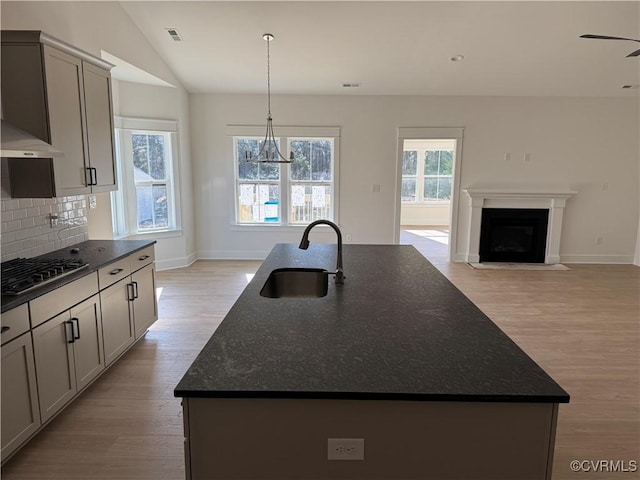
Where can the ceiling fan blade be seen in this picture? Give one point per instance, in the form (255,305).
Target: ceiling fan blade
(607,37)
(634,54)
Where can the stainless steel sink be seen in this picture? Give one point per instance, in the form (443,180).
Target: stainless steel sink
(296,282)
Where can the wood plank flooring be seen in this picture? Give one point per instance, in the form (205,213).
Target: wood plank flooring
(582,326)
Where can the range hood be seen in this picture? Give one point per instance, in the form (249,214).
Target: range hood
(16,143)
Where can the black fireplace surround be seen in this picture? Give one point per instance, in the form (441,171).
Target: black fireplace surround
(516,235)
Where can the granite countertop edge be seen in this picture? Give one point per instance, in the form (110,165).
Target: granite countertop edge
(97,253)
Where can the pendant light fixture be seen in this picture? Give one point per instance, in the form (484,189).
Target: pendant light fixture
(269,152)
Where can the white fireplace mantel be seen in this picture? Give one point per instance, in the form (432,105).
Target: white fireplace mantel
(553,200)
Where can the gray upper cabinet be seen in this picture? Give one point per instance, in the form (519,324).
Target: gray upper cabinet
(61,95)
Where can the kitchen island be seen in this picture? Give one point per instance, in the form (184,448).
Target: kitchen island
(396,356)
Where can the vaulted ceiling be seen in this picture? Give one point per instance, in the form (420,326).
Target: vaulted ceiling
(392,48)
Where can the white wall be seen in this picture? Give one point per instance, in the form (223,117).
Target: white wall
(575,143)
(96,26)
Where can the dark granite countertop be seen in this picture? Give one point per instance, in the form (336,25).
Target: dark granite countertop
(396,330)
(97,253)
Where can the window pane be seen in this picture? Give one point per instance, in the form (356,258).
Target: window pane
(444,188)
(408,189)
(430,188)
(409,162)
(258,203)
(253,170)
(160,210)
(144,195)
(310,203)
(301,165)
(321,153)
(148,156)
(446,162)
(431,162)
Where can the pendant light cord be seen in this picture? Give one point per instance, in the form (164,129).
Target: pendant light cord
(268,78)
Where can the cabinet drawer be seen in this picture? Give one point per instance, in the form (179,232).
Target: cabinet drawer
(15,322)
(47,306)
(141,258)
(113,272)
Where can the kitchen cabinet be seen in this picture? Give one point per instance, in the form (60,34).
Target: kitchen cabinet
(61,95)
(20,410)
(129,305)
(118,327)
(68,354)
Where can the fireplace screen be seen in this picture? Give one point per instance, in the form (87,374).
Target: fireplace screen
(516,235)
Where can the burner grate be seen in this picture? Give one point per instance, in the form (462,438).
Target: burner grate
(22,274)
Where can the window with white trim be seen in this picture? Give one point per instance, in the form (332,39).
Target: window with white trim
(145,201)
(427,170)
(294,193)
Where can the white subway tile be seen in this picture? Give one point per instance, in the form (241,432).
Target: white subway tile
(8,237)
(20,214)
(33,212)
(27,223)
(12,204)
(25,203)
(7,216)
(37,202)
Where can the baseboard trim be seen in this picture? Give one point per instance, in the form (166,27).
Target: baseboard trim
(232,254)
(172,263)
(613,259)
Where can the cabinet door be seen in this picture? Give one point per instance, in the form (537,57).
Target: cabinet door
(65,99)
(54,364)
(87,347)
(117,324)
(20,414)
(97,96)
(145,308)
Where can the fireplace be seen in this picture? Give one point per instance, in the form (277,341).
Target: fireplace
(551,201)
(513,235)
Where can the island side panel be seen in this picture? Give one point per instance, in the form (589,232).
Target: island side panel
(282,439)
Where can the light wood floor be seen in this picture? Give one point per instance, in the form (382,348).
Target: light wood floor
(582,326)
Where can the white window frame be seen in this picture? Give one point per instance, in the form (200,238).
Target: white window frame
(124,200)
(283,134)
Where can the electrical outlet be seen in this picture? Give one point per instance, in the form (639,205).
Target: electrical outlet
(605,186)
(507,157)
(345,448)
(349,237)
(375,188)
(599,240)
(527,158)
(92,201)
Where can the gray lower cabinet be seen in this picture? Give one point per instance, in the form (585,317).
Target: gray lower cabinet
(20,411)
(145,306)
(118,330)
(68,354)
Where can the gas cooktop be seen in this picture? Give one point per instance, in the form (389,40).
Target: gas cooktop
(23,274)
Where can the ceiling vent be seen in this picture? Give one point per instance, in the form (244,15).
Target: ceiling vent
(173,33)
(351,85)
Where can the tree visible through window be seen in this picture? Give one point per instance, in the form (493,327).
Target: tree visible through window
(150,178)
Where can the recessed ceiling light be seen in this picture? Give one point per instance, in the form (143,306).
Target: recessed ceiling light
(457,58)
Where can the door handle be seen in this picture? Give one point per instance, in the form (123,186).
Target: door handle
(90,179)
(135,290)
(76,333)
(94,176)
(73,338)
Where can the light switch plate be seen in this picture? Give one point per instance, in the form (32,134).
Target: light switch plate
(345,448)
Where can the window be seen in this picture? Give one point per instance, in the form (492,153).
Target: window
(145,201)
(426,173)
(286,194)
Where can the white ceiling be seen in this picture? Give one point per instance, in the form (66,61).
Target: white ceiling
(510,48)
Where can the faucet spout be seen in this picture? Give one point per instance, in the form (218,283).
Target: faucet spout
(304,244)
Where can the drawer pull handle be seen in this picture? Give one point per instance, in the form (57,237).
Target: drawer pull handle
(5,329)
(135,290)
(143,257)
(116,271)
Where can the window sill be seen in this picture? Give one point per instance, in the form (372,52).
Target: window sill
(156,234)
(257,227)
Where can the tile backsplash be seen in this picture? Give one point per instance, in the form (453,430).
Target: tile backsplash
(27,230)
